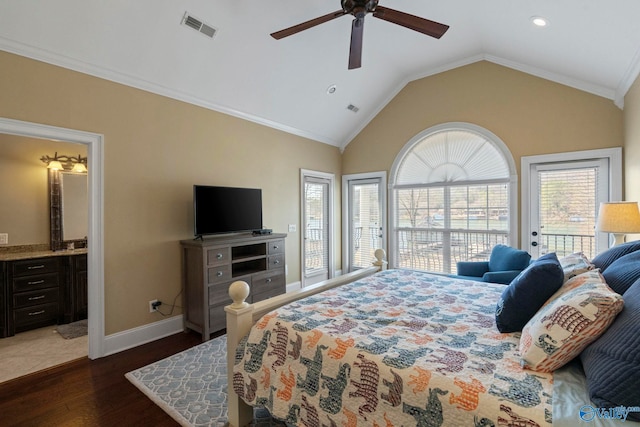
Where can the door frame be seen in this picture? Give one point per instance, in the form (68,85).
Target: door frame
(95,235)
(613,155)
(346,211)
(304,173)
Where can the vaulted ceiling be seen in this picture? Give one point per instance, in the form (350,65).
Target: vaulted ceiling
(301,84)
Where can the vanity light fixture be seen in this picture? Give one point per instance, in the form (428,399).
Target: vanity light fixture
(77,164)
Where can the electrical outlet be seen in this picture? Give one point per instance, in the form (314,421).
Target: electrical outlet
(4,238)
(152,305)
(292,228)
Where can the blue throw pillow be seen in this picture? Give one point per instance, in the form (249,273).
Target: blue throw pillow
(528,292)
(604,259)
(612,362)
(621,274)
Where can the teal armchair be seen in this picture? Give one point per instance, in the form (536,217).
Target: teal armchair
(504,264)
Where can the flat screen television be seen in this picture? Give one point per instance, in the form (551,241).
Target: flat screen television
(220,210)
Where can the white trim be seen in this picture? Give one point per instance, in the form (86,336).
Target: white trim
(346,232)
(627,80)
(131,338)
(331,178)
(294,286)
(614,155)
(95,143)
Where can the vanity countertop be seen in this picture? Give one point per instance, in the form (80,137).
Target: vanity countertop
(15,256)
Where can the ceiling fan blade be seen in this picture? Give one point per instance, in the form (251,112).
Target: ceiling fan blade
(308,24)
(424,26)
(355,51)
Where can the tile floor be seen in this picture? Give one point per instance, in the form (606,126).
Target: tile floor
(36,350)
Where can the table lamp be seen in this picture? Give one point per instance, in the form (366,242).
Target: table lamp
(618,218)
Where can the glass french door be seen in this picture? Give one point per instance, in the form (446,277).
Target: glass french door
(565,197)
(364,219)
(316,227)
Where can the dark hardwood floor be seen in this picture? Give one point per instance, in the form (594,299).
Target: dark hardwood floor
(90,392)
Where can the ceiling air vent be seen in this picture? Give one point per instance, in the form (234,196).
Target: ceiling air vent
(353,108)
(198,25)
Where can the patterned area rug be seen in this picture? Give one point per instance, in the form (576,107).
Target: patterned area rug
(191,386)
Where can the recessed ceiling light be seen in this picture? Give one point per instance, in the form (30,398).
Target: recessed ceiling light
(539,21)
(332,89)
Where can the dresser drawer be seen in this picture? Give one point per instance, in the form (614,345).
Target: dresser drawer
(217,318)
(266,285)
(35,266)
(218,274)
(276,261)
(218,256)
(43,296)
(219,293)
(40,281)
(275,247)
(35,314)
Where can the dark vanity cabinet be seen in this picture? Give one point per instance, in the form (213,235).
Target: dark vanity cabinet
(75,301)
(34,286)
(42,291)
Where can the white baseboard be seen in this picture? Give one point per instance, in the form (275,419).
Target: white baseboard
(293,286)
(130,338)
(115,343)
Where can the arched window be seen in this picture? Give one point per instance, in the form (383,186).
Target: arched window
(453,197)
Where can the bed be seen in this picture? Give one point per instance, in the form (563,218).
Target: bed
(385,348)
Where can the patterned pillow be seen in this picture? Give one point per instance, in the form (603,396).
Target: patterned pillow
(561,329)
(588,280)
(575,264)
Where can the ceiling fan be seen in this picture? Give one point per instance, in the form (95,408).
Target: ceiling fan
(359,9)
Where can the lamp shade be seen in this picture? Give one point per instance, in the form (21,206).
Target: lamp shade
(55,165)
(618,217)
(79,168)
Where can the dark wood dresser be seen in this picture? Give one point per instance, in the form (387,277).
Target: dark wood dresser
(41,288)
(212,264)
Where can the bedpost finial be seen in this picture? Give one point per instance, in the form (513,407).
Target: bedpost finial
(380,255)
(239,291)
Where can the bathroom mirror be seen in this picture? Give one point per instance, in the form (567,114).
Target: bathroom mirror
(68,203)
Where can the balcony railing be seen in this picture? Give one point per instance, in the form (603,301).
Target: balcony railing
(565,244)
(439,251)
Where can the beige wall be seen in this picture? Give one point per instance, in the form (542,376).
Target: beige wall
(632,145)
(531,115)
(156,148)
(632,142)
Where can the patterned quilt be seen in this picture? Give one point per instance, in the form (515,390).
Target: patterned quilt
(400,348)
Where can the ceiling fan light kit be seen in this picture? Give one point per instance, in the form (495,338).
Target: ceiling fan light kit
(359,9)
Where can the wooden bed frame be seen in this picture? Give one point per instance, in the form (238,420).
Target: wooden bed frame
(242,315)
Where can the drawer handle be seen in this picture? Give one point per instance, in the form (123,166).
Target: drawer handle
(36,298)
(268,280)
(37,282)
(219,256)
(276,262)
(35,267)
(275,246)
(37,313)
(220,273)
